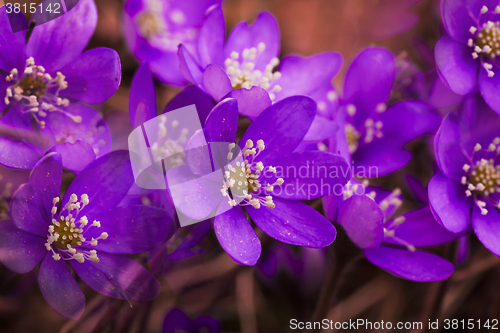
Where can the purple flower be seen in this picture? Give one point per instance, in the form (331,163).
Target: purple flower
(375,133)
(468,56)
(466,195)
(243,67)
(85,229)
(46,79)
(391,243)
(142,108)
(275,178)
(155,28)
(177,321)
(143,111)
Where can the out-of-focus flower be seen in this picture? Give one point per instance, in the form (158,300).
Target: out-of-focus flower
(184,244)
(466,195)
(386,19)
(391,242)
(267,179)
(177,321)
(373,134)
(306,266)
(155,28)
(48,77)
(412,83)
(142,102)
(85,229)
(468,56)
(10,180)
(243,67)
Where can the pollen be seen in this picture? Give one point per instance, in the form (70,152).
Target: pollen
(169,141)
(485,43)
(482,178)
(162,32)
(66,232)
(373,130)
(242,72)
(485,178)
(488,39)
(37,91)
(243,179)
(352,138)
(150,24)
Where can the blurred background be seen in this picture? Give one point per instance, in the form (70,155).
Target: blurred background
(287,282)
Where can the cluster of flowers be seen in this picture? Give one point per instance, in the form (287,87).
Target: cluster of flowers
(298,118)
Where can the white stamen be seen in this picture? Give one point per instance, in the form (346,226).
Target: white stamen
(399,220)
(351,109)
(43,90)
(381,107)
(244,179)
(243,74)
(65,236)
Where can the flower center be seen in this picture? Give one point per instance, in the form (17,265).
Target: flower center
(169,143)
(38,92)
(486,41)
(373,129)
(33,85)
(484,179)
(244,178)
(161,32)
(352,138)
(243,74)
(67,237)
(150,24)
(7,191)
